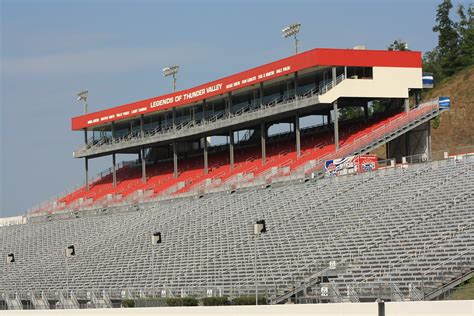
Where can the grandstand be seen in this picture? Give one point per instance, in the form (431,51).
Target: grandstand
(170,134)
(396,231)
(383,244)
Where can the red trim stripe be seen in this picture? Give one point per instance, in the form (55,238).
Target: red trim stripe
(308,59)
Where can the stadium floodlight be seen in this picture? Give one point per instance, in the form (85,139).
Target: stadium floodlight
(82,96)
(258,228)
(10,258)
(155,240)
(171,71)
(292,30)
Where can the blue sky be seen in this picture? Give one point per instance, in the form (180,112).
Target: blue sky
(116,50)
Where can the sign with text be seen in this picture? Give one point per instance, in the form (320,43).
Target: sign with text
(286,66)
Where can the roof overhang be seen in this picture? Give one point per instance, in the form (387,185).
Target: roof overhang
(273,70)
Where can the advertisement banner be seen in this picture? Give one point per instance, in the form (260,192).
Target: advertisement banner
(350,165)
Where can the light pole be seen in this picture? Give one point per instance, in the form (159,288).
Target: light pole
(171,71)
(258,228)
(292,30)
(82,96)
(69,252)
(155,240)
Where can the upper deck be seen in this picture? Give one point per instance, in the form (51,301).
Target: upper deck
(271,72)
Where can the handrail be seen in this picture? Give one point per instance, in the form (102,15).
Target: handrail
(470,249)
(186,124)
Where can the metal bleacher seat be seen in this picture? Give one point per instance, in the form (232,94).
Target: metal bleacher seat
(407,227)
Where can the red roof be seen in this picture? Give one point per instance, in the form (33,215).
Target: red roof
(308,59)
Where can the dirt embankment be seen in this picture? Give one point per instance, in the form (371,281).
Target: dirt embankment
(455,132)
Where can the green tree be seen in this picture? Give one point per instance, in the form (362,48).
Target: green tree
(215,301)
(455,49)
(398,45)
(448,38)
(466,36)
(349,113)
(182,301)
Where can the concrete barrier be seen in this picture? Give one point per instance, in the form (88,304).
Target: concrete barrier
(434,308)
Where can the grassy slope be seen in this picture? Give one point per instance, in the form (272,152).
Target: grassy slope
(463,292)
(456,127)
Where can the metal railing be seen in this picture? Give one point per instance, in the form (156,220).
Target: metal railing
(303,171)
(97,143)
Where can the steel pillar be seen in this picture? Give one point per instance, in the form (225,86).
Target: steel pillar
(174,118)
(229,103)
(334,76)
(231,149)
(113,130)
(142,128)
(336,125)
(296,83)
(85,136)
(143,165)
(297,135)
(407,105)
(175,160)
(206,166)
(86,160)
(429,141)
(261,92)
(263,134)
(366,113)
(114,171)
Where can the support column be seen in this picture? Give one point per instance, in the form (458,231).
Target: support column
(86,160)
(296,83)
(297,134)
(206,164)
(114,171)
(229,103)
(261,93)
(407,144)
(345,71)
(366,113)
(174,118)
(204,110)
(407,105)
(429,141)
(333,76)
(175,160)
(417,96)
(336,125)
(143,165)
(263,135)
(113,130)
(231,149)
(142,126)
(85,136)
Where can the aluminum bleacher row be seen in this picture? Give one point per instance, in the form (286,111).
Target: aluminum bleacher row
(281,159)
(404,231)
